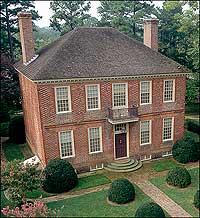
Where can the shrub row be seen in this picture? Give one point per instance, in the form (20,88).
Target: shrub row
(193,126)
(197,199)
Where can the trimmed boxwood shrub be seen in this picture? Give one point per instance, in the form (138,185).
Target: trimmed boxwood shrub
(59,176)
(186,150)
(193,126)
(197,199)
(150,209)
(121,191)
(179,177)
(17,130)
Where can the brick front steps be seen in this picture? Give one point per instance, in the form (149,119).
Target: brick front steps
(124,166)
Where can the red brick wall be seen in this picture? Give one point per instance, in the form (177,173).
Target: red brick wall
(79,120)
(32,116)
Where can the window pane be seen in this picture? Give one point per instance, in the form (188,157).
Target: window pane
(66,144)
(62,99)
(119,95)
(145,132)
(94,139)
(167,128)
(92,97)
(145,92)
(168,90)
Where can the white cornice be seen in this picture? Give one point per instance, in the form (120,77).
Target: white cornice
(74,80)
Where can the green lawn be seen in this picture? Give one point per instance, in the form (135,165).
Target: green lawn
(38,193)
(183,197)
(164,164)
(95,205)
(91,181)
(12,151)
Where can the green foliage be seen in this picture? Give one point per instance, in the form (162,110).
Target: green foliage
(4,129)
(179,177)
(68,14)
(17,179)
(126,16)
(17,130)
(193,126)
(186,150)
(150,209)
(197,199)
(59,176)
(192,89)
(121,191)
(12,151)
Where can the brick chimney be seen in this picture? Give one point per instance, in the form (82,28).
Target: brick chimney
(26,36)
(151,33)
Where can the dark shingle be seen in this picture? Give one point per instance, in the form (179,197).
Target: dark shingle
(96,52)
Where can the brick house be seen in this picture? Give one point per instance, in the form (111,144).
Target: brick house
(96,95)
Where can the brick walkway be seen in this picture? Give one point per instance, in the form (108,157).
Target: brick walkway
(172,208)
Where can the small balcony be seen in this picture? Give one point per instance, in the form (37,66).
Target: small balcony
(123,115)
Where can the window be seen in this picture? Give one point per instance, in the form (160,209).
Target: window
(66,144)
(63,102)
(145,157)
(145,92)
(167,153)
(168,90)
(95,139)
(120,95)
(145,132)
(92,97)
(168,129)
(96,167)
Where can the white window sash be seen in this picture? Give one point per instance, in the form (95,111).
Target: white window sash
(126,96)
(173,91)
(150,132)
(172,130)
(69,100)
(150,93)
(100,134)
(73,148)
(99,101)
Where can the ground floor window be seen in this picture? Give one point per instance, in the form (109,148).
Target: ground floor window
(145,157)
(95,139)
(66,144)
(98,166)
(168,128)
(166,153)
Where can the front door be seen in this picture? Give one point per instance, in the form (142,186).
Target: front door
(120,145)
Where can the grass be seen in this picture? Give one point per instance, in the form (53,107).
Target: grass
(95,205)
(91,181)
(37,193)
(164,164)
(12,151)
(183,197)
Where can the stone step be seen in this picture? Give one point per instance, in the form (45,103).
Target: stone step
(127,163)
(125,170)
(131,165)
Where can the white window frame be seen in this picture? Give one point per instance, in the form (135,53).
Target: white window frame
(167,153)
(173,90)
(150,132)
(126,96)
(96,167)
(69,100)
(73,148)
(172,131)
(99,101)
(150,92)
(145,157)
(100,133)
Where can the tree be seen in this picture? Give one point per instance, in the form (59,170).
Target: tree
(18,178)
(9,28)
(68,14)
(126,16)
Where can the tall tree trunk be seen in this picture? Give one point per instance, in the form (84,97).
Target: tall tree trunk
(9,35)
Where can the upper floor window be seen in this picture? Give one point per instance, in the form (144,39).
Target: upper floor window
(169,91)
(95,139)
(168,125)
(93,97)
(145,132)
(63,101)
(145,92)
(66,144)
(120,95)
